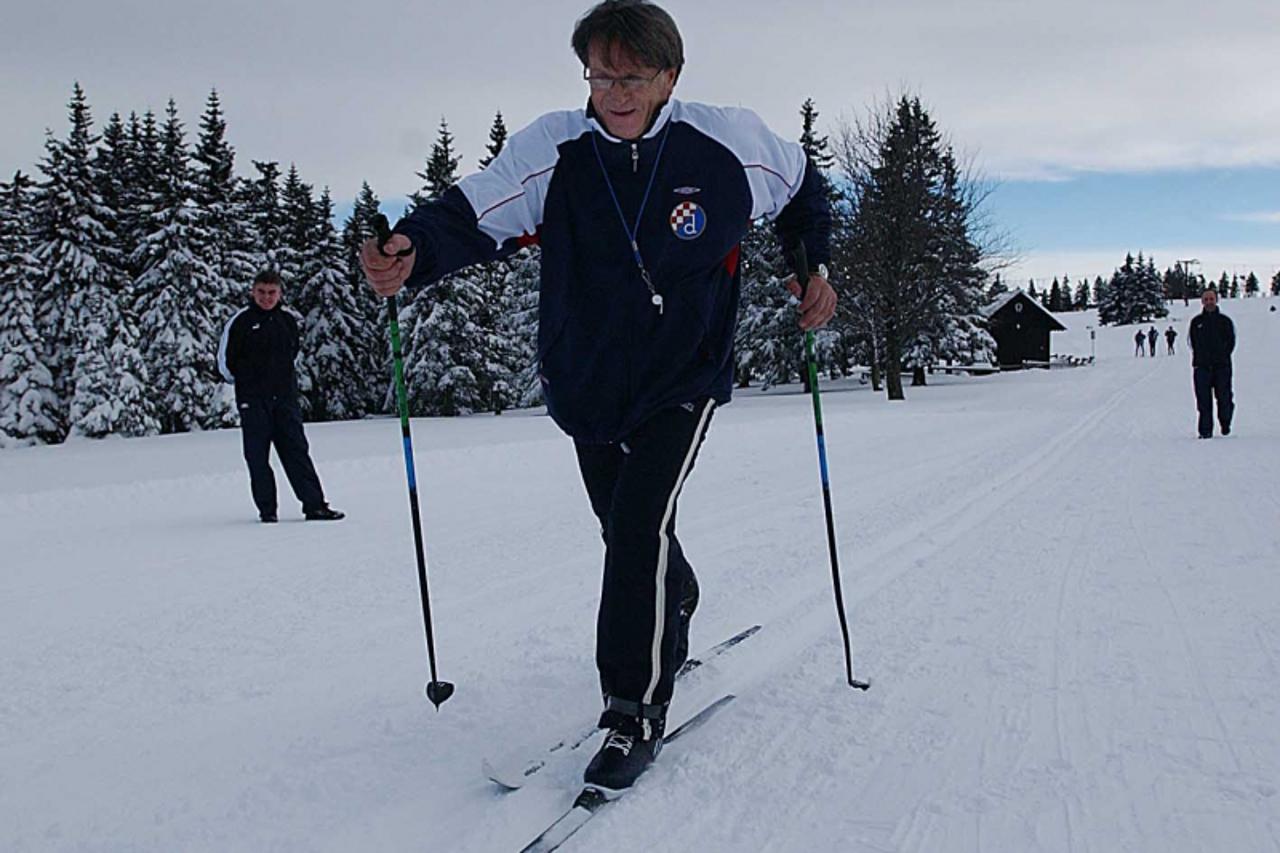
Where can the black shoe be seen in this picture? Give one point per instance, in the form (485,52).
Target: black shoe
(688,604)
(325,513)
(267,517)
(629,748)
(1202,435)
(1226,429)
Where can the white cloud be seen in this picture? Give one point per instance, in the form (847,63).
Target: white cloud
(1265,217)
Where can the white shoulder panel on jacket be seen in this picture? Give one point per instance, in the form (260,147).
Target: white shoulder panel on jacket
(509,194)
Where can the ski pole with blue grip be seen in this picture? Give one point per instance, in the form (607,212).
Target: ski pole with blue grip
(800,257)
(437,691)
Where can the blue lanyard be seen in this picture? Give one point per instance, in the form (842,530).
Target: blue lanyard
(632,232)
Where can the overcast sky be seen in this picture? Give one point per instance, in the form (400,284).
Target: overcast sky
(1041,94)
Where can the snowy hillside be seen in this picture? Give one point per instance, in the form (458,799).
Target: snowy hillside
(1069,609)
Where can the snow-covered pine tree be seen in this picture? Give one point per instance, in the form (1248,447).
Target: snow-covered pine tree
(1055,296)
(1235,286)
(954,329)
(374,349)
(497,140)
(911,248)
(28,407)
(91,344)
(1113,306)
(768,346)
(1275,284)
(332,327)
(1252,287)
(214,193)
(446,365)
(1151,303)
(507,346)
(444,357)
(518,323)
(299,225)
(1099,290)
(258,199)
(115,171)
(441,171)
(179,295)
(1134,295)
(834,344)
(139,186)
(818,148)
(1080,302)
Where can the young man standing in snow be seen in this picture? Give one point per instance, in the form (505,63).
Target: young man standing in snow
(640,203)
(1139,343)
(1170,336)
(256,352)
(1213,339)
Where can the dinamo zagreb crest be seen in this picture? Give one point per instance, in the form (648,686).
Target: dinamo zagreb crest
(688,220)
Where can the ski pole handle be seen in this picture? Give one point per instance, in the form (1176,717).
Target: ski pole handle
(382,229)
(800,261)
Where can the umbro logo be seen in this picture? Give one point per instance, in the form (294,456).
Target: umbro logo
(687,190)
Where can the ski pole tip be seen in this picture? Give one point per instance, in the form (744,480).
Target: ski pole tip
(860,685)
(439,692)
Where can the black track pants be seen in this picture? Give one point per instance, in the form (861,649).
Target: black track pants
(1214,382)
(278,421)
(633,486)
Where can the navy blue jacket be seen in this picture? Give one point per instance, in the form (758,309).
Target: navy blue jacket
(257,351)
(1213,339)
(608,358)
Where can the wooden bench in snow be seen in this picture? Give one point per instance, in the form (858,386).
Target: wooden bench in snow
(971,369)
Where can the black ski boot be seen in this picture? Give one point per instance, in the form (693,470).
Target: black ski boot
(688,604)
(629,748)
(324,513)
(268,517)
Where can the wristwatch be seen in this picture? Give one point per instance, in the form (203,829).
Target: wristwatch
(822,273)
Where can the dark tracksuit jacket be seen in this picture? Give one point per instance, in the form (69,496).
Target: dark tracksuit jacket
(256,352)
(633,385)
(1212,336)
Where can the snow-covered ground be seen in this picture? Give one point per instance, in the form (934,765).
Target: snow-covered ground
(1069,609)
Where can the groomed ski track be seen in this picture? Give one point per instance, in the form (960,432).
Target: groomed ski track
(1068,606)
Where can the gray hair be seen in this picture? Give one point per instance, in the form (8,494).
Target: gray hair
(642,29)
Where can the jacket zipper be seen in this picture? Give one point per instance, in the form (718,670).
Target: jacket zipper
(635,158)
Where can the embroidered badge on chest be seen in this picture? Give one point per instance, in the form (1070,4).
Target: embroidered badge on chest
(688,220)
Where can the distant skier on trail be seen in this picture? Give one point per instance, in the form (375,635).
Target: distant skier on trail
(258,346)
(1213,339)
(640,203)
(1140,343)
(1153,337)
(1170,336)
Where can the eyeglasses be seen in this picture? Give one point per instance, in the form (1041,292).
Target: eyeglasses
(630,83)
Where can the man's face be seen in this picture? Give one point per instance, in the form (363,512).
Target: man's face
(626,109)
(266,296)
(1209,300)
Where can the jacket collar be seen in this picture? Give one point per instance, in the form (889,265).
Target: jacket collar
(659,122)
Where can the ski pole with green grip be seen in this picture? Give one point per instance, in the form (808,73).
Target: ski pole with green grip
(437,691)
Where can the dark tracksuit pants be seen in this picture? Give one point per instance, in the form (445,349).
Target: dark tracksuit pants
(277,421)
(633,486)
(1213,382)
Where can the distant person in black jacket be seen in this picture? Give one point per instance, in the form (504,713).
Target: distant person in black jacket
(1153,337)
(257,351)
(1170,336)
(1140,343)
(1213,338)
